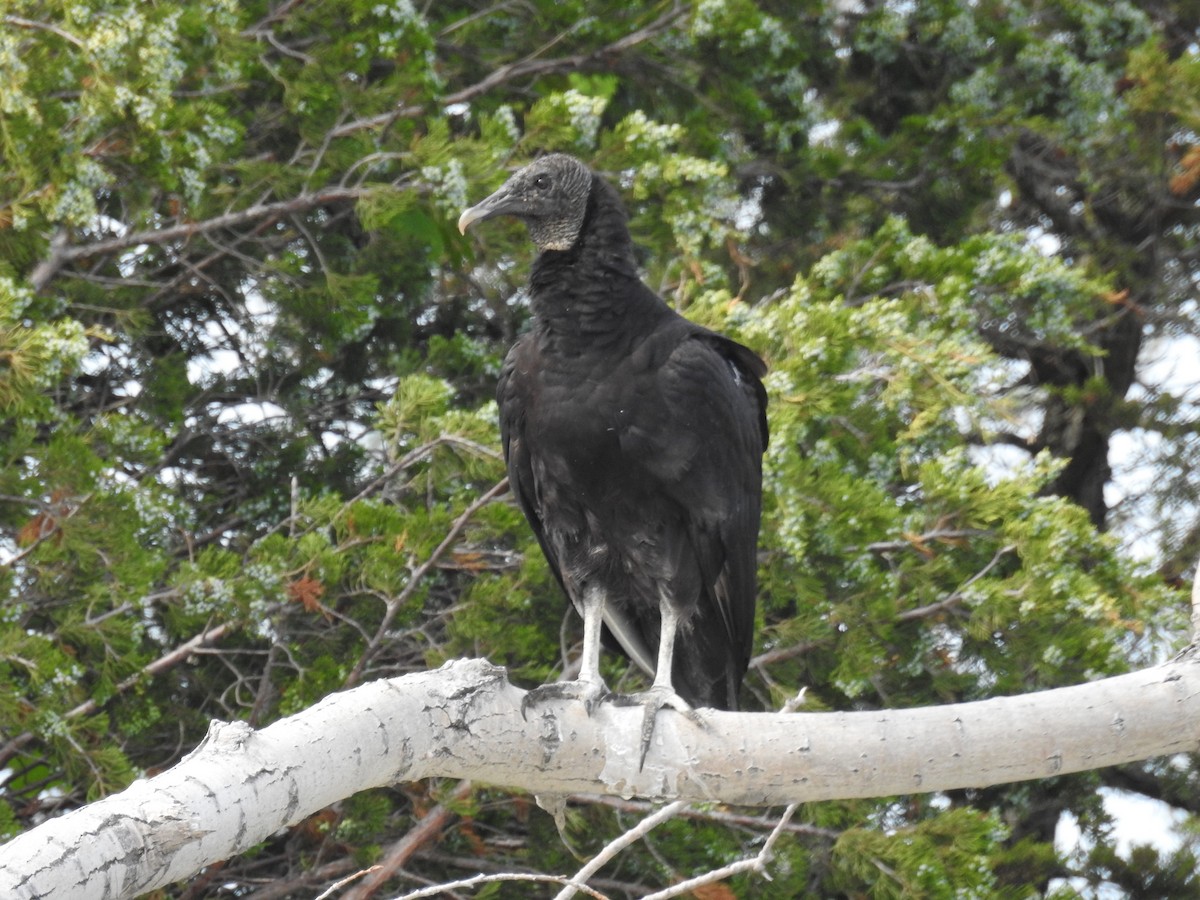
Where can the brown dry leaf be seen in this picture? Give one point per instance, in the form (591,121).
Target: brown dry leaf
(918,544)
(306,591)
(470,560)
(1185,180)
(36,528)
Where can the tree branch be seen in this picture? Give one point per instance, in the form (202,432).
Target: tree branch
(62,253)
(424,832)
(956,597)
(756,863)
(441,890)
(164,662)
(526,67)
(397,603)
(465,721)
(1196,606)
(19,22)
(619,843)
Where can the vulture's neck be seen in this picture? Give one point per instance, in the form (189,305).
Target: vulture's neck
(592,291)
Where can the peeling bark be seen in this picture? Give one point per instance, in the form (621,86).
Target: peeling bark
(464,721)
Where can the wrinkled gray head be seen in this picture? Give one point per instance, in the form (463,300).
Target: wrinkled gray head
(549,195)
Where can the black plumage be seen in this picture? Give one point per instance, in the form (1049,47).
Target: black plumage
(634,442)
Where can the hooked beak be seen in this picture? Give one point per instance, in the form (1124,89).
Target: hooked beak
(497,204)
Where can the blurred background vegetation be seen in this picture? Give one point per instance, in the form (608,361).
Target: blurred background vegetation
(246,369)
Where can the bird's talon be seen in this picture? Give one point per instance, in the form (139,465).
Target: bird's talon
(651,702)
(589,692)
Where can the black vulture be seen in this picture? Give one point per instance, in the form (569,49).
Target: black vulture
(634,441)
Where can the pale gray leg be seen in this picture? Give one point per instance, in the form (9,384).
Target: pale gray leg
(589,686)
(593,612)
(662,691)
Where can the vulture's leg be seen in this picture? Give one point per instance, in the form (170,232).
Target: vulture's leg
(666,648)
(593,612)
(662,691)
(589,686)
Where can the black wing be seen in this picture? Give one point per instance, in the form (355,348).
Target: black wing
(513,401)
(700,432)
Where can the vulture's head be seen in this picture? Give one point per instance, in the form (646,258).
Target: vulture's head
(550,195)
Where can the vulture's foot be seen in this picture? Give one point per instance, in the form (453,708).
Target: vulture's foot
(590,692)
(651,701)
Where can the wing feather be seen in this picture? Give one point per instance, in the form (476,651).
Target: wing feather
(513,401)
(701,436)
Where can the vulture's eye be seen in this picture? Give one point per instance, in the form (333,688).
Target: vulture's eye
(541,182)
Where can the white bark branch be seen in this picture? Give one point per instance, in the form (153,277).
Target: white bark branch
(1196,606)
(464,721)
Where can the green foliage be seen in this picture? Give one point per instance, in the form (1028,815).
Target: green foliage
(37,349)
(247,361)
(947,856)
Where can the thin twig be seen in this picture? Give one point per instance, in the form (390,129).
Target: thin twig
(527,67)
(440,889)
(276,15)
(280,888)
(341,883)
(923,611)
(482,865)
(55,523)
(636,833)
(915,542)
(18,22)
(710,815)
(757,863)
(780,654)
(422,833)
(418,575)
(63,253)
(173,658)
(415,455)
